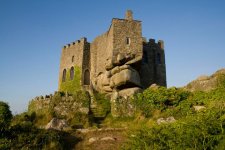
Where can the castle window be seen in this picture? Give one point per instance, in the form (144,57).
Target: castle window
(158,58)
(127,40)
(86,77)
(64,75)
(71,73)
(72,58)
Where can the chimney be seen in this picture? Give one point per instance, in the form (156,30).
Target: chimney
(129,15)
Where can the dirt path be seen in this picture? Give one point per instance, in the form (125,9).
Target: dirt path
(97,139)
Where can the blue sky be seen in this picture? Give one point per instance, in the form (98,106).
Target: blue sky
(32,34)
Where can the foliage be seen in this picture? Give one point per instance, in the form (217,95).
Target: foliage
(69,85)
(221,81)
(193,129)
(5,115)
(204,130)
(102,102)
(158,99)
(22,134)
(82,97)
(25,136)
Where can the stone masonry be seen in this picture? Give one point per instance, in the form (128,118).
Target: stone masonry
(118,62)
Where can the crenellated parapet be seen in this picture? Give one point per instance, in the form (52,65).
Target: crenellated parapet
(80,42)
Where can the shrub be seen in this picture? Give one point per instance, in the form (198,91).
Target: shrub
(5,116)
(158,99)
(201,131)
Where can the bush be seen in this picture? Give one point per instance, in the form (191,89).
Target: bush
(5,116)
(26,136)
(202,131)
(158,99)
(192,130)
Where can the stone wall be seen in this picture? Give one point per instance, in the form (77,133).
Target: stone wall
(62,105)
(153,68)
(127,37)
(73,55)
(101,50)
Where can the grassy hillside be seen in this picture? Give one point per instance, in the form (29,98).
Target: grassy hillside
(173,118)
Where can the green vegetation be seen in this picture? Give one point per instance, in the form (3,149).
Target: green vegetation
(5,116)
(19,133)
(192,129)
(203,129)
(102,103)
(71,86)
(59,102)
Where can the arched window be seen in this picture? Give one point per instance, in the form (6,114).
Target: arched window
(127,40)
(72,58)
(158,58)
(64,75)
(86,77)
(71,73)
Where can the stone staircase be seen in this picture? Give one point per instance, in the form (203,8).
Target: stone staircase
(98,112)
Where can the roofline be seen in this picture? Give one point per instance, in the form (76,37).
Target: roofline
(125,19)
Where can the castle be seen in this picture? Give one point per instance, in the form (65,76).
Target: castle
(120,60)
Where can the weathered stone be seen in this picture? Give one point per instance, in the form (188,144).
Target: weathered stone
(84,110)
(129,91)
(93,139)
(108,138)
(198,108)
(166,120)
(57,124)
(205,83)
(115,70)
(126,76)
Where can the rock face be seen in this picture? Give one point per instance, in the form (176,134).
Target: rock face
(206,83)
(57,124)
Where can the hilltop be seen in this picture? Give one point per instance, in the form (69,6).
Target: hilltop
(192,117)
(206,83)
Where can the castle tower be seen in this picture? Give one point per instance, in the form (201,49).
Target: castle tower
(118,60)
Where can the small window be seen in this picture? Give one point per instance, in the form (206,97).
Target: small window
(158,58)
(64,75)
(128,41)
(71,73)
(87,77)
(72,58)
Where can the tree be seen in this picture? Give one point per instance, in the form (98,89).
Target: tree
(5,115)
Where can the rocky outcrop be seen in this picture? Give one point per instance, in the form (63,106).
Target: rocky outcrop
(120,81)
(57,124)
(205,83)
(166,120)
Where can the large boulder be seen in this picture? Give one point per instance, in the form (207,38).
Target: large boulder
(125,77)
(57,124)
(129,92)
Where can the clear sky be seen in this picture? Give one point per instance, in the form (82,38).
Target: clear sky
(32,33)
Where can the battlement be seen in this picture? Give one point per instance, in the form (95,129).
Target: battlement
(151,41)
(82,41)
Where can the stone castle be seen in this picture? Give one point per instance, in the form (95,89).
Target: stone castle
(119,61)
